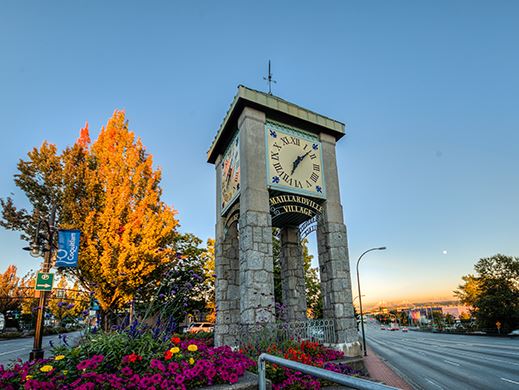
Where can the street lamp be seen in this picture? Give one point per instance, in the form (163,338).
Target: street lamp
(357,297)
(37,248)
(360,297)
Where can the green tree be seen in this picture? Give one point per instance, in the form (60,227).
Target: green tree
(493,292)
(185,285)
(438,319)
(449,319)
(312,282)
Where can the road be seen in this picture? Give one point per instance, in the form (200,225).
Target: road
(438,361)
(13,349)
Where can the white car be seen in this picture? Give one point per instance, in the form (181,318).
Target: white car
(2,322)
(514,333)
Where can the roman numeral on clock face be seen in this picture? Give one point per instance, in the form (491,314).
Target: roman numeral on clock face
(279,169)
(274,155)
(314,177)
(290,140)
(286,178)
(317,168)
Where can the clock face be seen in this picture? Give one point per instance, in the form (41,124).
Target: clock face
(294,162)
(230,180)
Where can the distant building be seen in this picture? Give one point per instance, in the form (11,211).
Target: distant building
(455,311)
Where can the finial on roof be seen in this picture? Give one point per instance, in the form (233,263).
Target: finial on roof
(270,80)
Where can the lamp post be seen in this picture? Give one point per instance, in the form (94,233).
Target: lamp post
(36,249)
(357,297)
(360,297)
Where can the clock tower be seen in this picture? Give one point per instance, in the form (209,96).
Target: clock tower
(276,172)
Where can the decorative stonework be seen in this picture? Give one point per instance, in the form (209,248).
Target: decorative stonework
(293,275)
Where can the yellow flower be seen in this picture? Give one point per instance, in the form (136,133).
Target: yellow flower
(174,350)
(46,368)
(192,348)
(191,361)
(65,372)
(59,357)
(28,377)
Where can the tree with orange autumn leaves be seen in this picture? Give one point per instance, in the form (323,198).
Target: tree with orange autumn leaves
(9,289)
(109,190)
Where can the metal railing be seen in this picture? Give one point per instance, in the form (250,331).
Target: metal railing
(345,380)
(322,331)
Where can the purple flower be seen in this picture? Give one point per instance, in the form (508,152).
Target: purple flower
(233,377)
(180,379)
(156,379)
(157,364)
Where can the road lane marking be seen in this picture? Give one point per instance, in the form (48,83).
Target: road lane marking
(496,346)
(434,383)
(453,363)
(14,350)
(509,380)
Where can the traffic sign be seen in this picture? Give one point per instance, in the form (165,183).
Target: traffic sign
(44,281)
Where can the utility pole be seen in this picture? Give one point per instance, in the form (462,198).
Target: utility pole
(37,351)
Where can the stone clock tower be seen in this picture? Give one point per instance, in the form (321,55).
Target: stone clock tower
(276,168)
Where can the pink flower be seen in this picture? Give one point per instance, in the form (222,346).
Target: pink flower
(233,378)
(157,364)
(179,379)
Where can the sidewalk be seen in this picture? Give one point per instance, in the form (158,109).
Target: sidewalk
(379,371)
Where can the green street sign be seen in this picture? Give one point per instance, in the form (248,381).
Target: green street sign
(44,281)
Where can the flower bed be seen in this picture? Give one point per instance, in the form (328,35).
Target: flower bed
(145,360)
(305,352)
(184,364)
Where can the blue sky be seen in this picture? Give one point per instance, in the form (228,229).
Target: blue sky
(429,92)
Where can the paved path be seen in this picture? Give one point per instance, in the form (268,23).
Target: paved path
(381,372)
(13,349)
(444,361)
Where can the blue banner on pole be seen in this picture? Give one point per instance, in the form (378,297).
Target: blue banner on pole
(68,248)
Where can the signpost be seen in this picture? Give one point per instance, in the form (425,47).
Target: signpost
(44,281)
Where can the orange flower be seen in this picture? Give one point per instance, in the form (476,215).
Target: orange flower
(175,340)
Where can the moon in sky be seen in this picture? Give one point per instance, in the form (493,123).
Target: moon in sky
(444,252)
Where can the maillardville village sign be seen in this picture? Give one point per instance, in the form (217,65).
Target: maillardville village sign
(276,169)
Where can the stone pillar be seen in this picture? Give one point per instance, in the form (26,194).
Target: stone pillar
(227,286)
(333,257)
(292,275)
(256,266)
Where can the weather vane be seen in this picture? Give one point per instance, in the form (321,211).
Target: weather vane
(270,80)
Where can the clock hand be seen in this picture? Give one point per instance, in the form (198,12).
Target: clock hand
(298,160)
(295,164)
(304,155)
